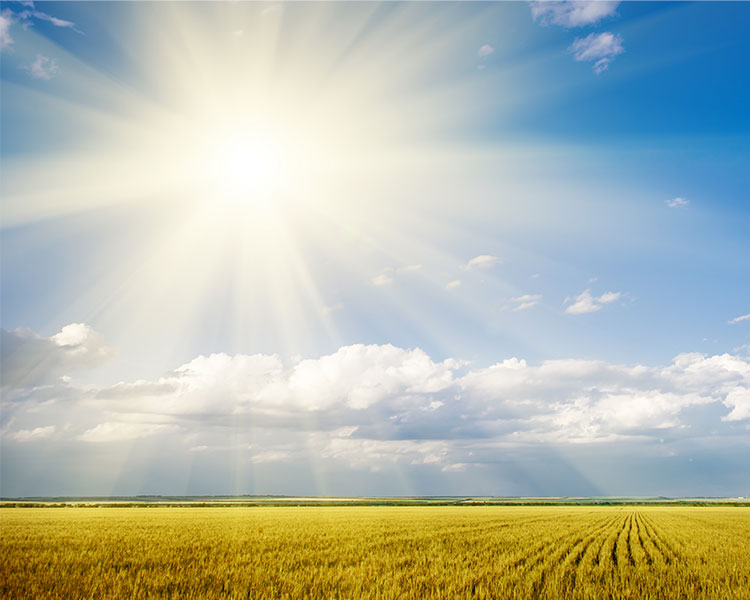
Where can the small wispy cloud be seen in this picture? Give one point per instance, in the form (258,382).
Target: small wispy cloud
(573,13)
(740,319)
(327,310)
(485,50)
(269,456)
(410,268)
(43,67)
(677,202)
(483,261)
(26,18)
(42,16)
(389,274)
(31,435)
(269,10)
(599,48)
(112,431)
(526,301)
(382,279)
(586,303)
(6,20)
(453,285)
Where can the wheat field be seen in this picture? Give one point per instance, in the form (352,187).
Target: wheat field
(376,552)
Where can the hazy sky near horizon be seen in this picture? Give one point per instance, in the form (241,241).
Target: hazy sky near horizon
(375,249)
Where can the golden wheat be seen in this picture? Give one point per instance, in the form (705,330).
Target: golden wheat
(376,552)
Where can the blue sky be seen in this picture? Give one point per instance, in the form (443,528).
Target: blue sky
(421,248)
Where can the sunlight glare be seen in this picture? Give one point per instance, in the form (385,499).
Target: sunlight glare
(244,168)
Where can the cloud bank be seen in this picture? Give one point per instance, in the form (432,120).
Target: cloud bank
(364,407)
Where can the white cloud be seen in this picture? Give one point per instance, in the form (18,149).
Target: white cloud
(609,297)
(30,435)
(453,285)
(483,261)
(572,13)
(269,456)
(26,18)
(601,48)
(382,279)
(6,20)
(526,301)
(43,67)
(119,431)
(389,274)
(370,406)
(739,401)
(359,376)
(54,20)
(28,359)
(485,50)
(740,319)
(677,202)
(410,268)
(586,303)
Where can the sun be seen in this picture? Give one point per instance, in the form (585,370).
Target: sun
(243,167)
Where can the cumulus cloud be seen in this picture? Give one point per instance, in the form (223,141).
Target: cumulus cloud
(599,48)
(43,67)
(740,319)
(586,303)
(738,400)
(453,285)
(29,359)
(573,13)
(677,202)
(359,376)
(526,301)
(483,261)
